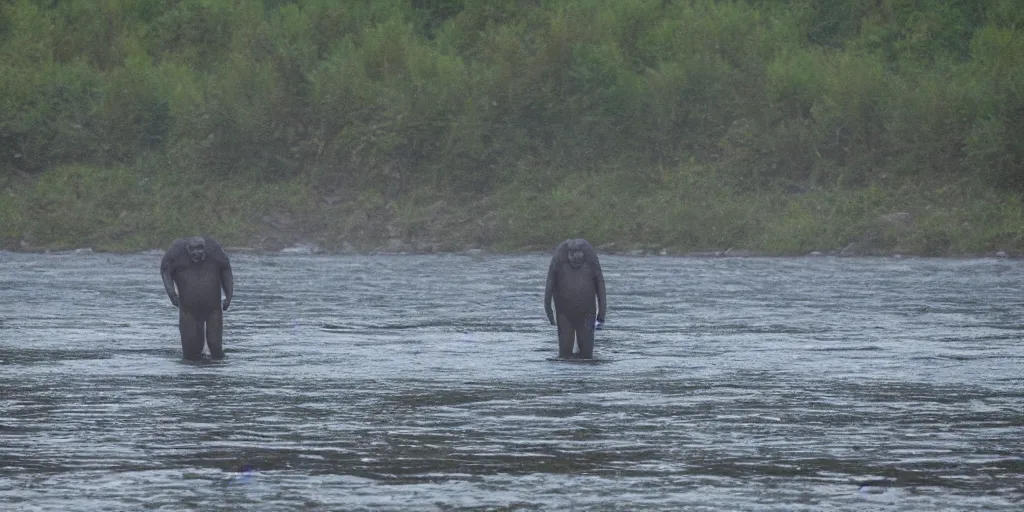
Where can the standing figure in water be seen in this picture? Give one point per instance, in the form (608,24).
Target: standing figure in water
(574,280)
(200,269)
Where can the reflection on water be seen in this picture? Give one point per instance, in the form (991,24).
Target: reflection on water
(426,382)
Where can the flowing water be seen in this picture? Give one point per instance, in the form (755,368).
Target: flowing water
(428,383)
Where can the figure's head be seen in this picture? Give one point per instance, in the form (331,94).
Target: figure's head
(577,254)
(196,248)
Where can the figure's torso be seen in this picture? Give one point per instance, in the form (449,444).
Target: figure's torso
(576,291)
(199,285)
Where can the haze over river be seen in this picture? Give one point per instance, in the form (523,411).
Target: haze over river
(428,383)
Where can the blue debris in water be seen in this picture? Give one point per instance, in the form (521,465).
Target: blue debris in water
(597,325)
(246,473)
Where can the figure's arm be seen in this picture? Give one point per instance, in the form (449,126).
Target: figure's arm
(549,288)
(227,279)
(602,305)
(167,272)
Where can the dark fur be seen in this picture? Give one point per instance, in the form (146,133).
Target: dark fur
(200,316)
(574,279)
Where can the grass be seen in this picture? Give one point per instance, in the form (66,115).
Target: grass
(679,210)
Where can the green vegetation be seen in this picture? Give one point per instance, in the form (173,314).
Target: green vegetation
(778,127)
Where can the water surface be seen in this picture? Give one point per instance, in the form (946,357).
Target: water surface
(425,383)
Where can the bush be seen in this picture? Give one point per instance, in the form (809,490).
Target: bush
(765,101)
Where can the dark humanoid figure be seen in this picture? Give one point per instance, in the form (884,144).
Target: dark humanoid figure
(200,269)
(574,280)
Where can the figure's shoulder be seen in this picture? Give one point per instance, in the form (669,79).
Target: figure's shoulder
(177,247)
(592,254)
(212,243)
(560,252)
(175,254)
(215,250)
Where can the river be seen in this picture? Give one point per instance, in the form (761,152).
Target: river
(401,382)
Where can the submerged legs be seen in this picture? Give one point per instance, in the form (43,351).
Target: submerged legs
(214,334)
(192,339)
(585,337)
(566,336)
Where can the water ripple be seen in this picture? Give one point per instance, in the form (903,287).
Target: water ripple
(426,383)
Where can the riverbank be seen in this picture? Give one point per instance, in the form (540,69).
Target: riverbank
(641,212)
(769,128)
